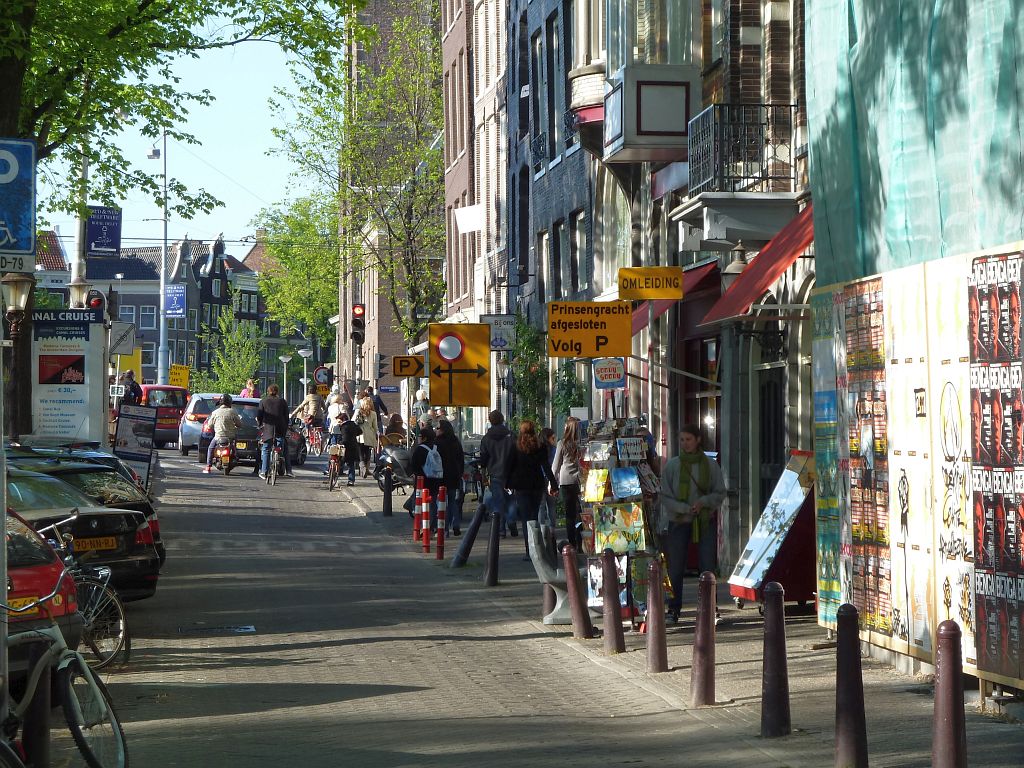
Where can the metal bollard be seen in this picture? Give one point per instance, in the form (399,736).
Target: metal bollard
(702,673)
(581,626)
(442,510)
(425,522)
(614,642)
(949,727)
(35,735)
(387,510)
(466,545)
(775,717)
(851,724)
(491,566)
(657,651)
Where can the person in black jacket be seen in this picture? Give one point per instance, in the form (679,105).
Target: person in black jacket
(417,464)
(350,434)
(453,458)
(496,449)
(528,469)
(273,411)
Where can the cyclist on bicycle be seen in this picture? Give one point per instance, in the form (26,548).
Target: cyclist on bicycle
(311,409)
(273,412)
(225,423)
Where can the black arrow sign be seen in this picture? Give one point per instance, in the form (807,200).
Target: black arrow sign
(450,373)
(405,363)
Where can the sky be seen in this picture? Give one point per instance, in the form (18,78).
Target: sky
(231,162)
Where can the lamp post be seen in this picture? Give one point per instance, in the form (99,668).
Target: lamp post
(285,359)
(161,355)
(306,354)
(78,292)
(17,290)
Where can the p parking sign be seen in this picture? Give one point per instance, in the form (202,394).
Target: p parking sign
(17,205)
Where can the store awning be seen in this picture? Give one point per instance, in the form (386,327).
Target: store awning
(691,278)
(758,276)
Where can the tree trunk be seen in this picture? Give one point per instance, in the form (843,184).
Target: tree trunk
(12,73)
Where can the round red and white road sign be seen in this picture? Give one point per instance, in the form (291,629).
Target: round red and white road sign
(450,347)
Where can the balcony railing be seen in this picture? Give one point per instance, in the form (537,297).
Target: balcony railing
(742,148)
(539,149)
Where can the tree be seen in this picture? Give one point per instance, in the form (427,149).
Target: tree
(74,73)
(301,285)
(43,299)
(236,348)
(529,371)
(375,143)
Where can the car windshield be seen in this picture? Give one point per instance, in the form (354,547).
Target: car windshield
(248,413)
(166,398)
(25,547)
(104,487)
(31,492)
(204,406)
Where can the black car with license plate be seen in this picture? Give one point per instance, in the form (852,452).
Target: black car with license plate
(118,538)
(247,441)
(100,482)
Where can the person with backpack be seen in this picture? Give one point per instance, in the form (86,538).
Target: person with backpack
(132,390)
(426,463)
(453,460)
(528,469)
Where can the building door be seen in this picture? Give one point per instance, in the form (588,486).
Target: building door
(773,431)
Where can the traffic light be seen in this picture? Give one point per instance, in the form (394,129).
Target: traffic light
(358,333)
(96,300)
(382,365)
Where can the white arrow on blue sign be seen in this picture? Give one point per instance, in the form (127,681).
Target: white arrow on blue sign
(175,302)
(17,205)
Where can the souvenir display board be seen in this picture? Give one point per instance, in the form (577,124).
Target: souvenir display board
(919,447)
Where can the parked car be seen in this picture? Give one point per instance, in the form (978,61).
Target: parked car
(102,484)
(33,569)
(247,440)
(170,403)
(190,426)
(118,538)
(86,455)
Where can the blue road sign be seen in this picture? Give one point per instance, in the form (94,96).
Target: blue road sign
(103,231)
(388,389)
(17,205)
(175,295)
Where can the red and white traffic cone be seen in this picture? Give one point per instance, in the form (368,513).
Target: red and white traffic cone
(442,508)
(425,513)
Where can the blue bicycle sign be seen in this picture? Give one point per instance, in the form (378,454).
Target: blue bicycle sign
(17,205)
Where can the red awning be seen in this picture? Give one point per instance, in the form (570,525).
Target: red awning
(758,276)
(691,277)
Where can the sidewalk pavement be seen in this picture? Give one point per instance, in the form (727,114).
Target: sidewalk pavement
(899,708)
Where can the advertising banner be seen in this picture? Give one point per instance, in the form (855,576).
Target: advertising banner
(69,388)
(134,439)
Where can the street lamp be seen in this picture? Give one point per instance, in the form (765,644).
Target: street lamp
(78,292)
(285,359)
(306,354)
(161,357)
(17,287)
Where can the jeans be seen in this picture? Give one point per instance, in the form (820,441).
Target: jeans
(527,504)
(351,470)
(571,504)
(284,452)
(453,516)
(547,515)
(499,501)
(676,545)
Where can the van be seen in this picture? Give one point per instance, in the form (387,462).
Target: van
(170,404)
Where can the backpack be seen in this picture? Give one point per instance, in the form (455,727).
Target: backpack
(432,466)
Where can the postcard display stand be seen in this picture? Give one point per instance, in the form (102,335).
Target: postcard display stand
(619,494)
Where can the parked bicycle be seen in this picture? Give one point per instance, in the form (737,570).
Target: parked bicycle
(87,707)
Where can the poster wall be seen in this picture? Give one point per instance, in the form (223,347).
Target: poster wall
(919,428)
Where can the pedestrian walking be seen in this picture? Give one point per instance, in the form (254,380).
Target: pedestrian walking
(379,406)
(421,409)
(426,463)
(566,468)
(273,412)
(349,435)
(496,448)
(132,390)
(692,490)
(548,515)
(250,389)
(453,460)
(529,475)
(366,418)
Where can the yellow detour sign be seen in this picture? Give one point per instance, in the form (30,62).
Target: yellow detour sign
(460,363)
(590,329)
(406,366)
(177,376)
(651,283)
(323,389)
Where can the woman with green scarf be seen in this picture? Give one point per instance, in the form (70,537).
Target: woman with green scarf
(692,490)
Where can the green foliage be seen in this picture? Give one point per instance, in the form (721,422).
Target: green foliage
(376,144)
(301,287)
(529,367)
(43,299)
(236,348)
(76,73)
(569,390)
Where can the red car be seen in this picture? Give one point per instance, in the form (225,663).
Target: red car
(170,404)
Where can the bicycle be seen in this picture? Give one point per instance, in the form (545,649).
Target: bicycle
(87,707)
(276,460)
(315,436)
(334,465)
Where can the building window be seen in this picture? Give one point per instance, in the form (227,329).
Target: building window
(543,264)
(126,313)
(578,248)
(149,353)
(192,354)
(147,318)
(216,288)
(206,315)
(555,91)
(717,29)
(193,319)
(184,270)
(615,231)
(205,354)
(563,259)
(182,353)
(538,85)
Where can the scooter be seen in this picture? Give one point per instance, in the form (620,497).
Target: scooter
(397,457)
(225,457)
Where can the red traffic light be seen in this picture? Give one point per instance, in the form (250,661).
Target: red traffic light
(96,303)
(358,310)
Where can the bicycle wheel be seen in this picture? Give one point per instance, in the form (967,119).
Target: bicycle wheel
(332,474)
(105,629)
(272,473)
(8,757)
(90,717)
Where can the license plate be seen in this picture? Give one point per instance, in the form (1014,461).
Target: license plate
(242,446)
(19,602)
(97,542)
